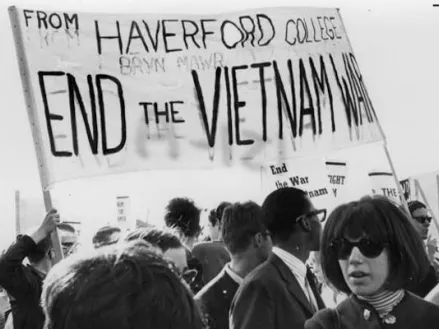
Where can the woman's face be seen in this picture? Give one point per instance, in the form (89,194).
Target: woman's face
(365,276)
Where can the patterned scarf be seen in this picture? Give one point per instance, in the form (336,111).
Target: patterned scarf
(384,302)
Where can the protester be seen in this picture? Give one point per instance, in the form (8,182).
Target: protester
(249,244)
(183,215)
(68,238)
(168,244)
(24,283)
(421,220)
(371,251)
(281,293)
(128,286)
(213,255)
(106,236)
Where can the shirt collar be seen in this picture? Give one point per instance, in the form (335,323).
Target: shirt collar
(235,277)
(294,264)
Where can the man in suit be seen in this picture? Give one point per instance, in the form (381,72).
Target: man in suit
(281,293)
(213,255)
(249,244)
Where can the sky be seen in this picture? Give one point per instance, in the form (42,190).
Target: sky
(396,44)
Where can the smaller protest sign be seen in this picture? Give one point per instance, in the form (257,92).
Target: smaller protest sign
(384,183)
(337,174)
(123,211)
(307,174)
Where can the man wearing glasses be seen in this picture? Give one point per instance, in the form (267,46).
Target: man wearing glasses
(421,220)
(282,293)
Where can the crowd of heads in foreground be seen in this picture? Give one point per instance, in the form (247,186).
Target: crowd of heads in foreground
(266,266)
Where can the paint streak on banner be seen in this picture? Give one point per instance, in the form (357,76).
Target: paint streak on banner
(120,93)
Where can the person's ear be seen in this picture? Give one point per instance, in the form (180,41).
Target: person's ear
(305,223)
(258,239)
(51,253)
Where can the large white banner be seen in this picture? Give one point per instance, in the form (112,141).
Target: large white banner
(117,93)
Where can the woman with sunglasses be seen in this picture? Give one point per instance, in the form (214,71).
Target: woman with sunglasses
(371,252)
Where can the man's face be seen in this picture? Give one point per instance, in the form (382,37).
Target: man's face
(316,227)
(68,241)
(421,220)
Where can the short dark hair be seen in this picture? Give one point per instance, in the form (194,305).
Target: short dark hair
(382,221)
(279,210)
(183,215)
(216,215)
(40,251)
(415,205)
(241,221)
(66,227)
(103,235)
(162,239)
(125,287)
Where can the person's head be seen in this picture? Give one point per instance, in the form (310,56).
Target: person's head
(68,238)
(215,217)
(42,257)
(420,217)
(290,216)
(369,246)
(168,243)
(106,236)
(244,234)
(184,216)
(127,286)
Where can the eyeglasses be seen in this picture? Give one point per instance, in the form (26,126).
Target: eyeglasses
(342,248)
(320,214)
(423,219)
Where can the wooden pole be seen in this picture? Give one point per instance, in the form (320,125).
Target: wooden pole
(17,213)
(33,119)
(398,185)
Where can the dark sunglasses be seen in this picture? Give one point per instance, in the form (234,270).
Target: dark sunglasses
(423,219)
(320,214)
(342,248)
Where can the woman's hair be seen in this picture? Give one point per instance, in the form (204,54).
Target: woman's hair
(382,221)
(129,286)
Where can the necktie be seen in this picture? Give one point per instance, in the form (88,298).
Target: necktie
(312,289)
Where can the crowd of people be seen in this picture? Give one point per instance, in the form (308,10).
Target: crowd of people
(261,267)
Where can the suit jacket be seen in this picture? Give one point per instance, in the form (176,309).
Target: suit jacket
(215,300)
(411,312)
(426,285)
(212,257)
(271,298)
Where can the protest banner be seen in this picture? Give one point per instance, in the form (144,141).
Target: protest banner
(308,174)
(118,93)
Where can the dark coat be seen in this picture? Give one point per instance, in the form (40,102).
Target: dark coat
(212,257)
(411,312)
(271,298)
(23,283)
(215,300)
